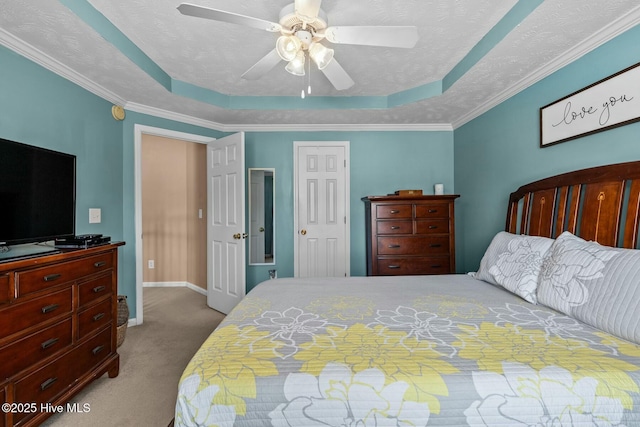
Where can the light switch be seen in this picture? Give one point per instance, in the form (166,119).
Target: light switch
(95,215)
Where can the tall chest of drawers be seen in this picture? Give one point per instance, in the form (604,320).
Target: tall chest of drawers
(58,331)
(410,235)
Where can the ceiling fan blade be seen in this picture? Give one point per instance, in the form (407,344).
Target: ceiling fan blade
(263,66)
(337,75)
(308,8)
(230,17)
(406,37)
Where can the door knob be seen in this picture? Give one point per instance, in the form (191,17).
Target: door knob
(261,229)
(237,236)
(303,232)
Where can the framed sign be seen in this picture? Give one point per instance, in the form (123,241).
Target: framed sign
(611,102)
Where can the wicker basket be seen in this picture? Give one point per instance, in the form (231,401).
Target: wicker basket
(122,332)
(123,318)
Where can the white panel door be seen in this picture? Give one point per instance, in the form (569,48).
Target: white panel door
(322,240)
(226,283)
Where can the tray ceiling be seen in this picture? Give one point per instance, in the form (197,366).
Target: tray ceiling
(471,55)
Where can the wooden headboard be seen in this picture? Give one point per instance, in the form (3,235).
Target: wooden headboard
(600,204)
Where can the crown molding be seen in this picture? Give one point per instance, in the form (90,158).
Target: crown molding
(596,40)
(169,115)
(399,127)
(35,55)
(599,38)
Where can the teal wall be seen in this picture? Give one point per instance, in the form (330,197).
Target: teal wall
(381,163)
(493,155)
(40,108)
(500,150)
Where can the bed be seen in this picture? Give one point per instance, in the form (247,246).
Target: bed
(545,333)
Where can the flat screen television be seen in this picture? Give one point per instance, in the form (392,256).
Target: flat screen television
(37,194)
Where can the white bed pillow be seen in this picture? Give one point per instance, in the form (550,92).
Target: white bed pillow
(598,285)
(514,261)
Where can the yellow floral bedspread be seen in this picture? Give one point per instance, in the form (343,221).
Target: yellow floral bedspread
(406,351)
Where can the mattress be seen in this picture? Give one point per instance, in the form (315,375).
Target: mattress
(445,350)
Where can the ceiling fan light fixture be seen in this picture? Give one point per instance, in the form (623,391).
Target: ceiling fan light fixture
(296,66)
(321,55)
(288,47)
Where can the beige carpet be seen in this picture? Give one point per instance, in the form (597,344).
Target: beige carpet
(152,358)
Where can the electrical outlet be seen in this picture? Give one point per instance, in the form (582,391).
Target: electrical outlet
(152,264)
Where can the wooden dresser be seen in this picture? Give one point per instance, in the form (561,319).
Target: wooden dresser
(58,316)
(410,235)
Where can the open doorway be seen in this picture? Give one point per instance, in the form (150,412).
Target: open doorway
(166,252)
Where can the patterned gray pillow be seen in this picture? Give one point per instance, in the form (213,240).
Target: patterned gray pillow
(514,262)
(598,285)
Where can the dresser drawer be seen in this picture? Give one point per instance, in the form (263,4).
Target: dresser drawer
(416,265)
(94,318)
(419,245)
(48,382)
(42,278)
(90,354)
(94,289)
(395,227)
(4,288)
(432,226)
(435,210)
(394,211)
(24,315)
(45,384)
(3,399)
(34,348)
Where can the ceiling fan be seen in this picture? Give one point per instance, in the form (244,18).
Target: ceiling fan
(302,27)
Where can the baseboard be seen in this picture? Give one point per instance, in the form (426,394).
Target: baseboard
(191,286)
(198,289)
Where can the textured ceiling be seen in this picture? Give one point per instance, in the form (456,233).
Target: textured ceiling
(212,56)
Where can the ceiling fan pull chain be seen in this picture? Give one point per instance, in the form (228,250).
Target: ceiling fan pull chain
(309,87)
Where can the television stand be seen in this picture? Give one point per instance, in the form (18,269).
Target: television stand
(8,253)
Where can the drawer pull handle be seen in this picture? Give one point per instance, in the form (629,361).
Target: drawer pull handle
(52,277)
(436,266)
(394,266)
(394,246)
(435,245)
(97,350)
(99,264)
(48,383)
(394,211)
(98,289)
(433,210)
(395,227)
(49,308)
(49,343)
(433,227)
(98,317)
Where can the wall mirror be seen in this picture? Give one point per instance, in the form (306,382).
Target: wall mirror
(261,216)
